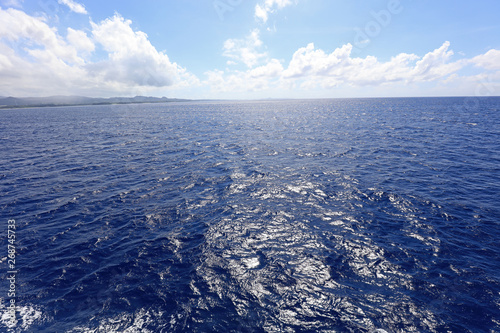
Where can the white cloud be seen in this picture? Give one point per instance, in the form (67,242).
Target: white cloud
(74,6)
(257,79)
(308,61)
(245,50)
(7,60)
(40,62)
(312,69)
(36,60)
(340,67)
(261,13)
(132,57)
(15,25)
(435,65)
(80,40)
(490,60)
(263,10)
(272,69)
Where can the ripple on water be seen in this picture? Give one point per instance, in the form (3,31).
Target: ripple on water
(290,216)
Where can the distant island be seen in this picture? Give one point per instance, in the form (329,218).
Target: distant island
(25,102)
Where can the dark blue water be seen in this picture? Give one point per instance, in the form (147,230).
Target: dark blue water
(282,216)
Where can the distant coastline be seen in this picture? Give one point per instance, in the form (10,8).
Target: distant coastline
(28,102)
(58,101)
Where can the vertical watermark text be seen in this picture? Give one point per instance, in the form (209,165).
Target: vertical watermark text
(486,87)
(373,28)
(11,275)
(224,6)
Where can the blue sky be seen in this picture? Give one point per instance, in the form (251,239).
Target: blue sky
(246,49)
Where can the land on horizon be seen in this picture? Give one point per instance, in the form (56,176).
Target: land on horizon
(57,101)
(25,102)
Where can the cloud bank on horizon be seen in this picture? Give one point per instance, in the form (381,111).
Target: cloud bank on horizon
(41,56)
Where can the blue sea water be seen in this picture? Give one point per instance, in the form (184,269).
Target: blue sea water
(347,215)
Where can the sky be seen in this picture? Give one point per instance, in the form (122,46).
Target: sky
(250,49)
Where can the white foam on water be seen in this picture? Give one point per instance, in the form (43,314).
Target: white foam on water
(126,322)
(251,262)
(26,317)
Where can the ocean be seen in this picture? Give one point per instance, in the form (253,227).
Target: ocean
(334,215)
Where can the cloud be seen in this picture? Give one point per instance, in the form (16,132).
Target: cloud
(273,68)
(40,61)
(435,65)
(244,50)
(74,6)
(80,41)
(36,60)
(132,58)
(112,58)
(340,67)
(309,61)
(312,69)
(16,25)
(263,10)
(490,60)
(257,79)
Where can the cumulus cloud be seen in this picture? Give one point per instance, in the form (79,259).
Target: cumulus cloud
(273,68)
(309,61)
(340,67)
(267,76)
(16,25)
(80,41)
(36,60)
(74,6)
(132,58)
(436,64)
(258,79)
(490,60)
(244,50)
(312,68)
(263,10)
(112,58)
(39,60)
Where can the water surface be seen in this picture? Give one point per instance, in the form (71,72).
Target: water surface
(345,215)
